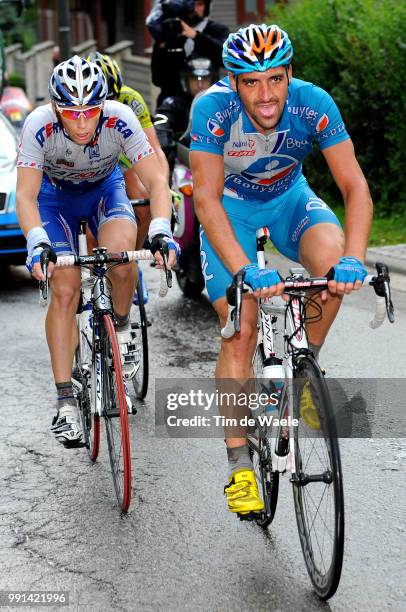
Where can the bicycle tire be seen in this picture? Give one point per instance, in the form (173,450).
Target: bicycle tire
(260,452)
(141,377)
(115,413)
(324,573)
(90,421)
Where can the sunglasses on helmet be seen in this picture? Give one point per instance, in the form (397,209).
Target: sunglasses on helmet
(73,115)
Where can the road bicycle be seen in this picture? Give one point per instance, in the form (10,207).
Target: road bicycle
(301,437)
(99,384)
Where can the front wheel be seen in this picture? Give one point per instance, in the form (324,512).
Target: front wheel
(115,413)
(317,481)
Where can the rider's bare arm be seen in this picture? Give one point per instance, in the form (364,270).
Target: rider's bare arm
(28,186)
(150,173)
(208,186)
(357,199)
(153,139)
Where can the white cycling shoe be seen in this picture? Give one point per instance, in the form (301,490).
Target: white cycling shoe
(67,426)
(130,357)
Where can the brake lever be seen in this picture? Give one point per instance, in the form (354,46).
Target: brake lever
(168,272)
(44,285)
(381,284)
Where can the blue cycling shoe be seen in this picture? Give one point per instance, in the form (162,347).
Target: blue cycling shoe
(144,289)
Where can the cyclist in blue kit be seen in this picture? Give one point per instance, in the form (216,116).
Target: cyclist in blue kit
(250,134)
(67,171)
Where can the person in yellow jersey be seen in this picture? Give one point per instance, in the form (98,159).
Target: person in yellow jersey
(132,98)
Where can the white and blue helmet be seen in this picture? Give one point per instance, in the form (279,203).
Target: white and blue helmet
(77,82)
(256,48)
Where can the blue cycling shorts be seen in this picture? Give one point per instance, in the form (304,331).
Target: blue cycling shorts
(287,217)
(61,210)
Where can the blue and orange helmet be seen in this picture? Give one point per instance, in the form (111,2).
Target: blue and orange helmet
(256,48)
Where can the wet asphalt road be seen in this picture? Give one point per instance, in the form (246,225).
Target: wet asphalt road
(178,549)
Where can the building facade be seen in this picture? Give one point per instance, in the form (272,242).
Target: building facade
(109,23)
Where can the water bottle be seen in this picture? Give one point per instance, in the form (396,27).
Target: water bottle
(275,373)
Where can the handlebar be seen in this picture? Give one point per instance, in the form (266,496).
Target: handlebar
(380,283)
(100,258)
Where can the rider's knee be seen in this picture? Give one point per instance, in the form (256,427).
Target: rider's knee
(324,243)
(65,293)
(242,345)
(123,273)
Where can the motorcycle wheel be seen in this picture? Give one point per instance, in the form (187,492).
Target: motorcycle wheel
(189,288)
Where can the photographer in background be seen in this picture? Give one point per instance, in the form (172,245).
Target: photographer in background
(196,76)
(181,29)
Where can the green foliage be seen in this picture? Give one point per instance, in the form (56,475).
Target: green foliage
(22,29)
(16,80)
(355,49)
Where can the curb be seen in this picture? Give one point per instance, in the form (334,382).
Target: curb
(395,264)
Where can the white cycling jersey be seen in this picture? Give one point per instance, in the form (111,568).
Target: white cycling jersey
(45,146)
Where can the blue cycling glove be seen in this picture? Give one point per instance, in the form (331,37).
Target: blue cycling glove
(349,270)
(259,278)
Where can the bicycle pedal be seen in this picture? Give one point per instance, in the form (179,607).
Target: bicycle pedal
(250,516)
(74,444)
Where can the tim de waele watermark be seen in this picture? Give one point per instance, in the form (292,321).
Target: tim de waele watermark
(265,403)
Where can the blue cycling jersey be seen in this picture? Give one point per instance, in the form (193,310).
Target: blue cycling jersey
(258,166)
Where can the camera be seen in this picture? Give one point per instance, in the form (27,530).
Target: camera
(171,27)
(162,22)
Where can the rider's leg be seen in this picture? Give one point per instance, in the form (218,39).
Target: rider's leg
(120,235)
(235,357)
(234,372)
(60,322)
(62,340)
(308,231)
(116,228)
(321,246)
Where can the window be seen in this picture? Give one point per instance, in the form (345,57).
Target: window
(250,10)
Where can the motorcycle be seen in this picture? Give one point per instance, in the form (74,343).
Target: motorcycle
(185,223)
(186,231)
(15,106)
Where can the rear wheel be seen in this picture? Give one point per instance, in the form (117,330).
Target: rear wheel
(259,444)
(317,484)
(140,325)
(115,413)
(268,480)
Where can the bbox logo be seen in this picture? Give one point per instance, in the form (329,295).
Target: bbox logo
(214,128)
